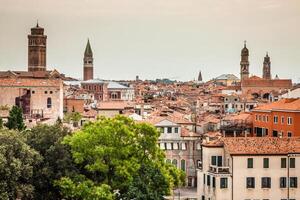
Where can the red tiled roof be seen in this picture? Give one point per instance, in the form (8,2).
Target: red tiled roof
(261,145)
(284,104)
(29,82)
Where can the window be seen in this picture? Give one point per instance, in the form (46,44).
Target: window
(290,134)
(183,165)
(175,146)
(49,102)
(256,117)
(265,182)
(46,92)
(168,161)
(250,163)
(213,182)
(282,120)
(275,119)
(292,163)
(290,121)
(219,158)
(32,91)
(51,92)
(275,133)
(169,146)
(283,162)
(266,162)
(169,130)
(174,162)
(267,118)
(293,182)
(176,130)
(214,160)
(208,179)
(183,146)
(223,183)
(250,182)
(203,179)
(282,182)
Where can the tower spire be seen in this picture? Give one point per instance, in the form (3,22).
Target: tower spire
(88,67)
(245,43)
(88,50)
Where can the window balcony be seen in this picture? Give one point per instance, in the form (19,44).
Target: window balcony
(218,170)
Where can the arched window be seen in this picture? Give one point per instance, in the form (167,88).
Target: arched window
(183,165)
(49,102)
(168,161)
(174,162)
(114,95)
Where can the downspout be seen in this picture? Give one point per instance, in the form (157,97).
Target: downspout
(231,177)
(288,177)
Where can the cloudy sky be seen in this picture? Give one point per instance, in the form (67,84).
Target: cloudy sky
(155,38)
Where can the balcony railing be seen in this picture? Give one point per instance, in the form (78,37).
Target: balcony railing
(218,170)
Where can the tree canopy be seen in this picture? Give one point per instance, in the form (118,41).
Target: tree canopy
(123,155)
(15,119)
(17,161)
(57,160)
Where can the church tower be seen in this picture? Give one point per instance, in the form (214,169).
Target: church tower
(37,49)
(200,77)
(267,67)
(244,63)
(88,69)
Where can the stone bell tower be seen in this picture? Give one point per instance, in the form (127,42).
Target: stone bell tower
(88,67)
(244,63)
(267,67)
(37,49)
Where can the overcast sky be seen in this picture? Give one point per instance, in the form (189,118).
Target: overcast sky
(155,38)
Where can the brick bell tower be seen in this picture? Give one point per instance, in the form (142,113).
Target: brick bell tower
(267,67)
(244,62)
(37,49)
(88,68)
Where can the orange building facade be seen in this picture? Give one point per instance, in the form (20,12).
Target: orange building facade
(278,119)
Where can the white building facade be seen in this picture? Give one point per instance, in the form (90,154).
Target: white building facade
(250,169)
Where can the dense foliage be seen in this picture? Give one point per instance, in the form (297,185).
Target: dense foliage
(15,119)
(123,155)
(57,160)
(17,161)
(112,158)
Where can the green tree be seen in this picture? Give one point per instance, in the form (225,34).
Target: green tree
(81,188)
(73,117)
(15,119)
(121,154)
(17,161)
(57,159)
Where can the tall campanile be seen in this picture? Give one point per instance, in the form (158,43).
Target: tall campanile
(88,67)
(244,63)
(37,49)
(267,67)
